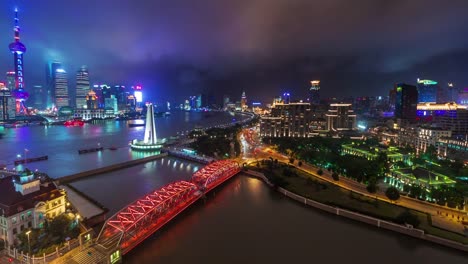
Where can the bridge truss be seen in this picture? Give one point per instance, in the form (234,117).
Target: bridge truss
(215,173)
(140,219)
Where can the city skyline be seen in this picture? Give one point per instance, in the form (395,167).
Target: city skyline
(239,50)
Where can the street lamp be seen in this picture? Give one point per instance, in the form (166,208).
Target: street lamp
(78,220)
(29,243)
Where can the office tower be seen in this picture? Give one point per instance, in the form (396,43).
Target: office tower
(226,101)
(18,49)
(452,93)
(38,96)
(11,80)
(51,69)
(198,103)
(61,88)
(286,98)
(406,99)
(91,100)
(82,86)
(341,117)
(112,103)
(193,102)
(427,91)
(286,120)
(121,95)
(138,93)
(314,92)
(243,101)
(463,97)
(7,105)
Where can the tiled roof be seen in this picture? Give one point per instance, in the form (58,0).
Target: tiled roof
(13,202)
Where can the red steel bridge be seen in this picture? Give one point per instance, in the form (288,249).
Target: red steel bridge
(137,221)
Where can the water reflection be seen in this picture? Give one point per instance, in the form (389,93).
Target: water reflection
(244,222)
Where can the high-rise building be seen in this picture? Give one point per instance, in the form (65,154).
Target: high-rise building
(243,103)
(406,101)
(226,101)
(286,120)
(427,91)
(314,92)
(341,117)
(82,86)
(451,93)
(38,96)
(61,88)
(121,94)
(193,102)
(51,70)
(92,100)
(286,98)
(463,97)
(112,103)
(7,104)
(18,49)
(11,80)
(199,101)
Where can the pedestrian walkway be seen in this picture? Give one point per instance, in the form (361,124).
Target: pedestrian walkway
(85,208)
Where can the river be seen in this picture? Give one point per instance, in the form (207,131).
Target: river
(62,143)
(243,221)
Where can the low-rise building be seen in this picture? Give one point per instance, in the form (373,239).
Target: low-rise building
(27,200)
(430,137)
(88,114)
(455,149)
(418,176)
(372,152)
(341,117)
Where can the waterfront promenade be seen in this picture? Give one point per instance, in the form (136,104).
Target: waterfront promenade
(407,230)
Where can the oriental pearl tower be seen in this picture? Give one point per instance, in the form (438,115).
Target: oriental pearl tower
(18,49)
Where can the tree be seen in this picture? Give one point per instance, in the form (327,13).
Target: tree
(335,176)
(392,193)
(406,188)
(320,172)
(415,191)
(372,185)
(59,226)
(408,218)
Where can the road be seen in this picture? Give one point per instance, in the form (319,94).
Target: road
(443,216)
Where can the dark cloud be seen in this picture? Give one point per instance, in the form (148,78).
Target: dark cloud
(181,47)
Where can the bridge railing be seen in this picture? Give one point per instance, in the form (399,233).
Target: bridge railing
(213,171)
(148,208)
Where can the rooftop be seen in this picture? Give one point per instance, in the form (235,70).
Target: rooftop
(13,202)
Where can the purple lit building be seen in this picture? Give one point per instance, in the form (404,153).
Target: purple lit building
(18,49)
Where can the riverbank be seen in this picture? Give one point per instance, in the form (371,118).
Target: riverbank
(374,221)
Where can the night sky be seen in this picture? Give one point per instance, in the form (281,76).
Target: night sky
(177,48)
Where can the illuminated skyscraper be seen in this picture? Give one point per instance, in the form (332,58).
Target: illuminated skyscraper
(91,100)
(50,82)
(38,96)
(11,80)
(341,117)
(406,101)
(7,104)
(82,86)
(286,98)
(243,101)
(18,49)
(314,92)
(61,88)
(427,91)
